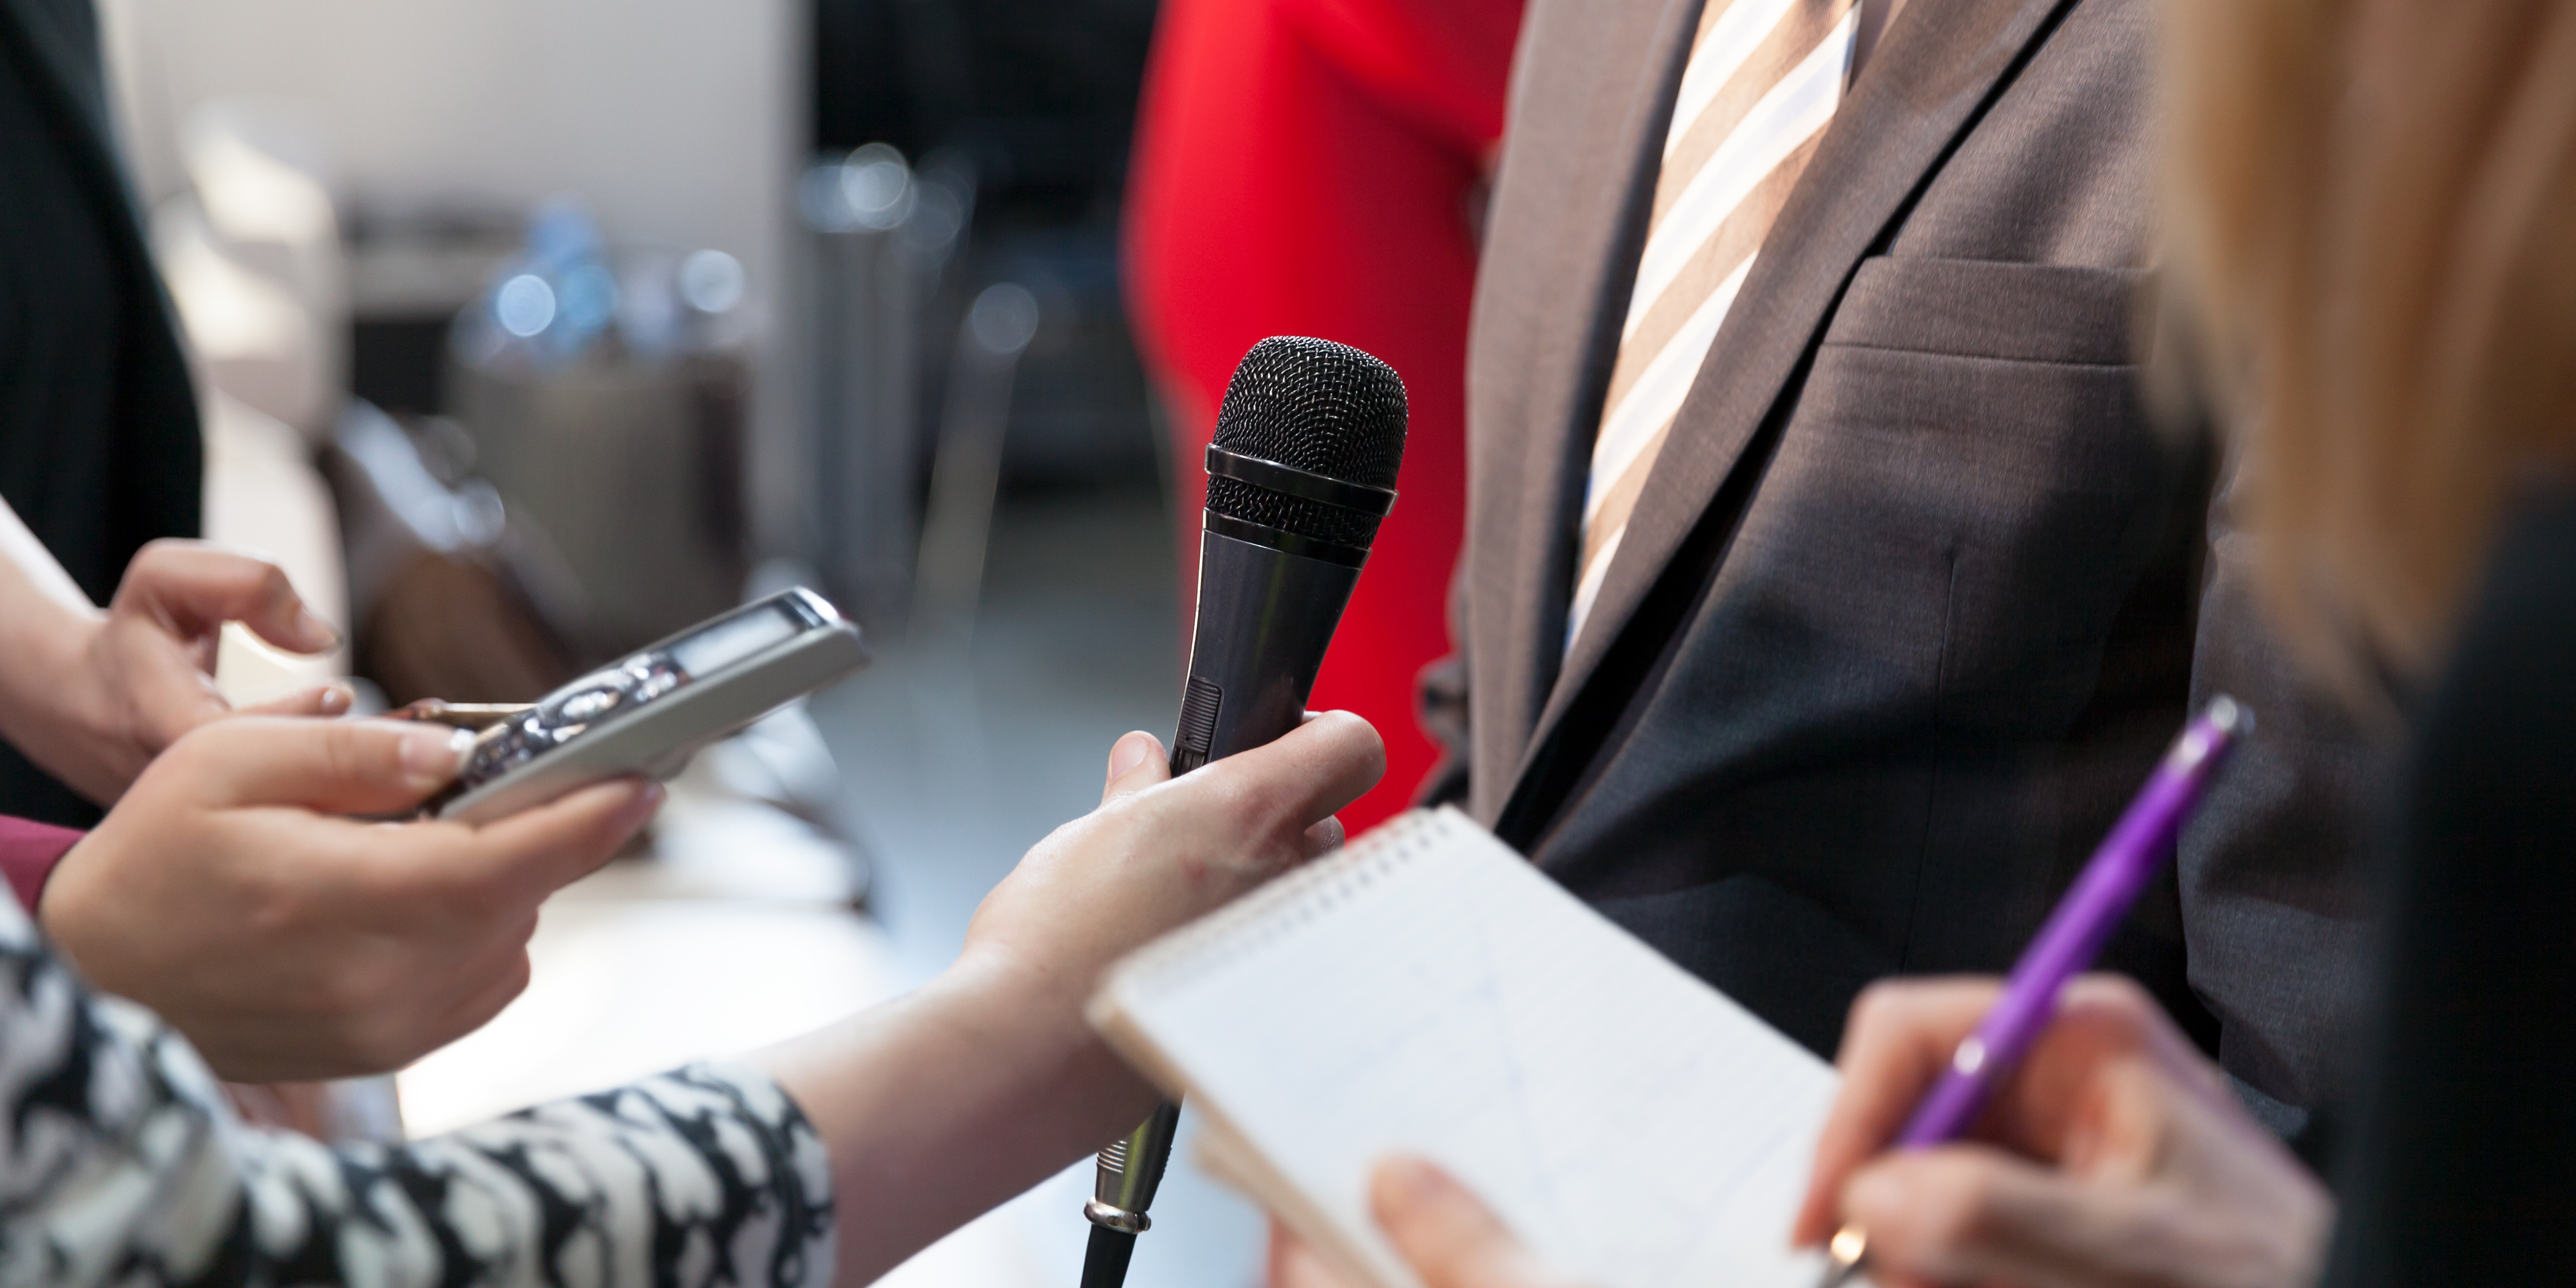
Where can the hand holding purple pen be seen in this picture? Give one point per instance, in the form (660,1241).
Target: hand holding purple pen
(2073,936)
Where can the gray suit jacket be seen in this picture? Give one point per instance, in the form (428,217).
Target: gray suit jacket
(1916,592)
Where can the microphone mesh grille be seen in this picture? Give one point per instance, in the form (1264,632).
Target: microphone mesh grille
(1237,499)
(1318,406)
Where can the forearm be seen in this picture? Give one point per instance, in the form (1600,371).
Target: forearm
(943,1104)
(62,703)
(41,613)
(27,567)
(138,1164)
(940,1105)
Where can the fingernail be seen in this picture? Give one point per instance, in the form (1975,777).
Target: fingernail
(312,627)
(1129,753)
(1328,836)
(335,699)
(431,755)
(642,807)
(1407,1185)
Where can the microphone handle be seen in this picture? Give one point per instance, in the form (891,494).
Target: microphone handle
(1265,617)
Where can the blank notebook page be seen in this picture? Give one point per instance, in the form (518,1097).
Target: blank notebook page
(1428,991)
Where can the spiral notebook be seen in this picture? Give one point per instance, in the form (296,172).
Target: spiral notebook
(1427,991)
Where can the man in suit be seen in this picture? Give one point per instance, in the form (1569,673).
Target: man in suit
(1828,588)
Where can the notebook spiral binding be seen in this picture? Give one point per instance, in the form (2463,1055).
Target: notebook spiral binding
(1256,919)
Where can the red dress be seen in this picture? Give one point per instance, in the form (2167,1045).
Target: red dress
(1309,167)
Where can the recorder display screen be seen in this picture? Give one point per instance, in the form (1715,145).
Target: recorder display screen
(733,640)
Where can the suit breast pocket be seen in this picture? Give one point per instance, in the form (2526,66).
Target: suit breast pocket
(1991,414)
(2045,313)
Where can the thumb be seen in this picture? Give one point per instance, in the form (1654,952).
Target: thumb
(1971,1214)
(333,766)
(1327,836)
(1294,1265)
(537,851)
(1451,1239)
(1136,762)
(1300,780)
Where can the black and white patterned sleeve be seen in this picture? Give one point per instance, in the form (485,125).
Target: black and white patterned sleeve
(121,1162)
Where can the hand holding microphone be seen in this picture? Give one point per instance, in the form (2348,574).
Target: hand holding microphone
(1302,470)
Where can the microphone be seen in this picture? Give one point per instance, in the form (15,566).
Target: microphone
(1302,470)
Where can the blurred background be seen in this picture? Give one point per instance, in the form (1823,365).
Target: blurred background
(529,331)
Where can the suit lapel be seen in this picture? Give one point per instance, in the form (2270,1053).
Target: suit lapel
(1593,88)
(1926,86)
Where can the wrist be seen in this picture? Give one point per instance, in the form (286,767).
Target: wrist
(1013,991)
(1034,1010)
(45,689)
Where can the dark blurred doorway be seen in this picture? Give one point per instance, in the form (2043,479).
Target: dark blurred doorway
(1037,98)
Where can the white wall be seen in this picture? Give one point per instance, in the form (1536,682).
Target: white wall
(679,120)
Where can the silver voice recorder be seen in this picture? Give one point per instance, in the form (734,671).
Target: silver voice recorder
(648,713)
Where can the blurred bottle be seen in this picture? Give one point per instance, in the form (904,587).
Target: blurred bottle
(566,297)
(605,389)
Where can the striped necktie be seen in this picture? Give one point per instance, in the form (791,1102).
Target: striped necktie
(1764,79)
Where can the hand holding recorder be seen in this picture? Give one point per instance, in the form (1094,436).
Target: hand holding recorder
(237,890)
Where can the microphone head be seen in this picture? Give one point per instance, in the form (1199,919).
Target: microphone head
(1319,407)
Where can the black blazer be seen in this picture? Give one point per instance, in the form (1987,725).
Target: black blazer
(2463,1166)
(99,440)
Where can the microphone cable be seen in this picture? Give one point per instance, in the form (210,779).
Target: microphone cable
(1104,1263)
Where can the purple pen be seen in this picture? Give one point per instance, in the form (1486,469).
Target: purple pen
(2093,907)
